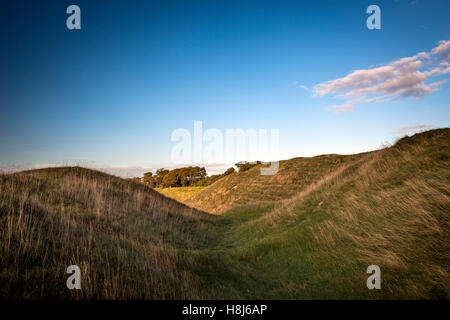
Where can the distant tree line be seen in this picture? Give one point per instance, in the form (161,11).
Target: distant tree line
(211,179)
(180,177)
(244,165)
(188,176)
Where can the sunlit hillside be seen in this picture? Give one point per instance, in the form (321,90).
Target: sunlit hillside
(308,232)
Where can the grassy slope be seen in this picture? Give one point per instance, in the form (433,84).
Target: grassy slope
(293,176)
(180,193)
(389,208)
(313,239)
(127,239)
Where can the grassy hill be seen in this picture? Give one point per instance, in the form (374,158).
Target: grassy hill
(390,208)
(126,238)
(310,231)
(250,186)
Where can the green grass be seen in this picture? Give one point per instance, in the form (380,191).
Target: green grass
(328,218)
(390,208)
(250,186)
(180,193)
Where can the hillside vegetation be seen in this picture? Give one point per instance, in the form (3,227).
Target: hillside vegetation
(126,238)
(389,208)
(308,232)
(179,193)
(250,186)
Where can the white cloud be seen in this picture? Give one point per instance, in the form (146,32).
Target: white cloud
(338,109)
(303,87)
(299,85)
(438,83)
(404,77)
(411,129)
(443,50)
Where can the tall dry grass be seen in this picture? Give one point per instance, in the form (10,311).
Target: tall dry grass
(127,239)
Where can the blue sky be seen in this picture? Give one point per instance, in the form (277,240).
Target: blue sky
(112,93)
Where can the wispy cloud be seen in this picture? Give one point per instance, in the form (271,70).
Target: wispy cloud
(347,107)
(404,77)
(411,129)
(303,87)
(299,85)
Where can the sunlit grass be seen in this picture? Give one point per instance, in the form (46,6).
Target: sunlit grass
(180,193)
